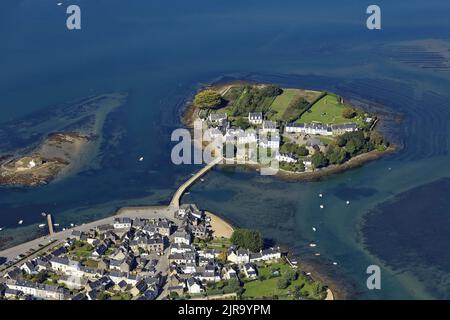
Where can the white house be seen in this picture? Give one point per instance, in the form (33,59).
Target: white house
(309,128)
(271,254)
(182,237)
(194,286)
(247,137)
(217,117)
(239,256)
(269,126)
(271,143)
(122,223)
(250,271)
(285,157)
(255,117)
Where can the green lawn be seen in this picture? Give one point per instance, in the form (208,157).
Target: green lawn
(268,287)
(328,110)
(281,103)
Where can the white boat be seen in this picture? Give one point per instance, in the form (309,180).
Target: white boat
(202,179)
(141,159)
(71,224)
(21,221)
(42,225)
(320,195)
(64,229)
(321,206)
(312,245)
(348,202)
(59,3)
(1,229)
(56,224)
(314,229)
(308,273)
(335,263)
(317,254)
(43,214)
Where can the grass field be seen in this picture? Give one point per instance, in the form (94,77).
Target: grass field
(281,103)
(328,110)
(269,288)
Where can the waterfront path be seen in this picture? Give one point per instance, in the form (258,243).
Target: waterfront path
(175,203)
(37,246)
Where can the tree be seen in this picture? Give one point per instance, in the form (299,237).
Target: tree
(242,123)
(283,283)
(207,99)
(336,155)
(247,239)
(348,113)
(271,91)
(291,275)
(376,138)
(319,160)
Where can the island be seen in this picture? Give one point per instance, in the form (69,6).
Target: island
(310,133)
(55,142)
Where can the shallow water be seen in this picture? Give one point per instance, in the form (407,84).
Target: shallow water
(160,52)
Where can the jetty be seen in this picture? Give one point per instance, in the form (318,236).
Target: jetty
(175,202)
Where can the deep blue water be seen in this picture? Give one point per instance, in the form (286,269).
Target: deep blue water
(161,52)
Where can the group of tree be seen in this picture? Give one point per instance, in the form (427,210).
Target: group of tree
(287,278)
(349,145)
(208,99)
(224,287)
(298,150)
(255,99)
(292,166)
(247,239)
(295,109)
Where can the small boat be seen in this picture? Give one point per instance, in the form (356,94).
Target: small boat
(21,221)
(43,214)
(64,229)
(202,179)
(312,245)
(348,202)
(314,229)
(42,225)
(308,273)
(321,206)
(317,254)
(56,224)
(320,195)
(1,229)
(187,193)
(335,263)
(59,3)
(141,159)
(72,225)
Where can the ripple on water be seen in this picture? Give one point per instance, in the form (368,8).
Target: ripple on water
(412,235)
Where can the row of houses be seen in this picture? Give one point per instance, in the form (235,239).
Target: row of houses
(320,129)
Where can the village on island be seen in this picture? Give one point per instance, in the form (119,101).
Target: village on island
(152,253)
(304,130)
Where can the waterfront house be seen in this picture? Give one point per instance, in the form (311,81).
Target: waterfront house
(269,126)
(285,157)
(270,254)
(122,223)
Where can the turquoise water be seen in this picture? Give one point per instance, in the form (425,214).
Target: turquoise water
(161,52)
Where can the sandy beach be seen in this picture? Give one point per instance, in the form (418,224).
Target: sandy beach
(220,227)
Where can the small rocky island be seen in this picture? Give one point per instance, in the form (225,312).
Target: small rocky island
(311,133)
(54,142)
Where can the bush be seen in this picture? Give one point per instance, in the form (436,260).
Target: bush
(348,113)
(283,283)
(207,99)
